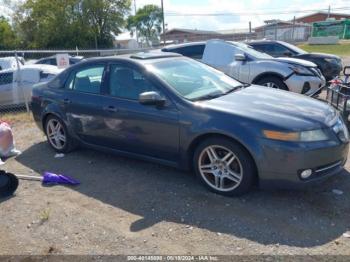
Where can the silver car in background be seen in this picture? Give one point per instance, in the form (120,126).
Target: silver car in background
(16,84)
(250,66)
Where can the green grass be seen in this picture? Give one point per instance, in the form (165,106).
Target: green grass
(342,49)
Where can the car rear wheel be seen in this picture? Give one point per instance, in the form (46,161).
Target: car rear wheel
(224,166)
(57,135)
(273,82)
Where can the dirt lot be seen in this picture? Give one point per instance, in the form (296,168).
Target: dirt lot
(126,206)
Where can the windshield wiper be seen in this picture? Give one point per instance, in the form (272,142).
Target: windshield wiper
(236,88)
(216,95)
(208,97)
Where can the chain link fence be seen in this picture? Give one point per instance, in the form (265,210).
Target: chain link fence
(21,70)
(338,28)
(292,33)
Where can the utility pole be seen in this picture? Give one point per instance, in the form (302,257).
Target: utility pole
(276,30)
(293,28)
(329,11)
(137,37)
(164,40)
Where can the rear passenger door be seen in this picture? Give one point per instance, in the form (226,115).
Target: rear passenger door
(133,127)
(81,101)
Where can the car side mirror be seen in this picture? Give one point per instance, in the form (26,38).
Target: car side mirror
(151,98)
(346,71)
(240,57)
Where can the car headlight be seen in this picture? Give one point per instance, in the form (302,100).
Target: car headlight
(341,130)
(303,136)
(301,70)
(330,60)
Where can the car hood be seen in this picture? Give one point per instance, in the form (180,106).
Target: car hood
(318,55)
(296,61)
(280,109)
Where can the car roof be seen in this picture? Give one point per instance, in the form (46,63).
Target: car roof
(140,58)
(264,42)
(168,47)
(54,56)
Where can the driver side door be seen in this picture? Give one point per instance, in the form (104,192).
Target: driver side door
(133,127)
(240,70)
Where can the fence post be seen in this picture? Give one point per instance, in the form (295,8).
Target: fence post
(276,31)
(344,32)
(19,82)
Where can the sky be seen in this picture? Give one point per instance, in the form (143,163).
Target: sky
(256,11)
(243,11)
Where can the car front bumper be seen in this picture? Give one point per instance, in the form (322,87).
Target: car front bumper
(304,84)
(283,162)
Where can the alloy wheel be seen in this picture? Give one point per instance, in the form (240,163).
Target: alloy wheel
(56,134)
(220,168)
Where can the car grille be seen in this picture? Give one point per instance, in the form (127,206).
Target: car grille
(323,170)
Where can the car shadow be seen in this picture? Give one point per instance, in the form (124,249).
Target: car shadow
(158,193)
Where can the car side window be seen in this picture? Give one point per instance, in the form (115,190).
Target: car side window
(261,48)
(195,51)
(125,82)
(45,62)
(87,80)
(279,50)
(6,78)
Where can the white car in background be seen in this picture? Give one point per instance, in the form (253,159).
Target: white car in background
(16,85)
(10,62)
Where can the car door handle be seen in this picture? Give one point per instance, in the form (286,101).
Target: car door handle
(110,109)
(66,101)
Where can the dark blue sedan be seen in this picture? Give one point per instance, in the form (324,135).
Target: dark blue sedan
(176,111)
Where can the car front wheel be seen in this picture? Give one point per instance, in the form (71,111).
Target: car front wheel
(224,166)
(273,82)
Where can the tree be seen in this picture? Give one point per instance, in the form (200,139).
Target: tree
(105,17)
(8,38)
(147,22)
(70,23)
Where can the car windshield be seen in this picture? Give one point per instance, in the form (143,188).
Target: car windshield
(252,52)
(194,80)
(294,48)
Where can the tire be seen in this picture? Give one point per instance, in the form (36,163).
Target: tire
(276,82)
(238,172)
(67,144)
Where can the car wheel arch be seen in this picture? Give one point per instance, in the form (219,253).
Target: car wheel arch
(199,139)
(268,74)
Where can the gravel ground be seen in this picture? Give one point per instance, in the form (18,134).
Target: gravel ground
(125,206)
